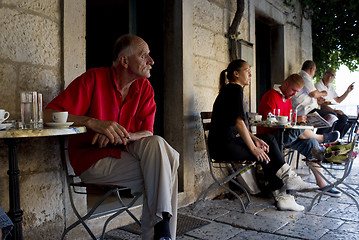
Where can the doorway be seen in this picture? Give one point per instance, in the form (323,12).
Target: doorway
(269,55)
(106,20)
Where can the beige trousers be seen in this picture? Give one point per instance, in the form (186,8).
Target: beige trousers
(150,166)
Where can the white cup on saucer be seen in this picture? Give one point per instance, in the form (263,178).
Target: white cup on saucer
(60,117)
(282,119)
(257,118)
(3,115)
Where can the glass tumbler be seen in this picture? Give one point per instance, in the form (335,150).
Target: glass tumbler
(29,110)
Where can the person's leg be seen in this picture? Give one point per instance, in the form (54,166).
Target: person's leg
(304,147)
(341,124)
(149,166)
(5,224)
(323,114)
(159,163)
(309,134)
(238,151)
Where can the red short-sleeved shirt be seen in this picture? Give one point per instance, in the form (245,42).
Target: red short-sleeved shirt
(95,94)
(273,100)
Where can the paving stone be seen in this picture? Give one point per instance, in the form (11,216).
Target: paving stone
(302,231)
(215,231)
(254,222)
(340,235)
(253,235)
(118,234)
(345,214)
(287,216)
(185,237)
(210,212)
(350,227)
(320,222)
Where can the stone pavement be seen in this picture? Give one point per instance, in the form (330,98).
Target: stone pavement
(332,218)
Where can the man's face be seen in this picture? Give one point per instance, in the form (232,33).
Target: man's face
(290,89)
(312,71)
(140,62)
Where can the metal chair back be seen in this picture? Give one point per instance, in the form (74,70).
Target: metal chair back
(76,186)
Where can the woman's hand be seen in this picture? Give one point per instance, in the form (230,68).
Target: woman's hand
(260,154)
(261,144)
(260,150)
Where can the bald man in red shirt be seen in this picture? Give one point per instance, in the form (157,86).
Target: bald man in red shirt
(117,107)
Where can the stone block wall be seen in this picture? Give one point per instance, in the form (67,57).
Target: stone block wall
(211,21)
(30,60)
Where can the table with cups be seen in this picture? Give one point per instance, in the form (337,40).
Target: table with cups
(31,126)
(279,122)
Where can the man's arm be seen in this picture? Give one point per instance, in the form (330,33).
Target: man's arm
(112,130)
(318,94)
(342,97)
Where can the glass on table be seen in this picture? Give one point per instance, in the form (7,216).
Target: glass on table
(29,110)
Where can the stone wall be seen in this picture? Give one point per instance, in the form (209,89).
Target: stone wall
(30,59)
(211,21)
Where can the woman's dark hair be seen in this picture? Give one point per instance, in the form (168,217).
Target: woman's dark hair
(233,66)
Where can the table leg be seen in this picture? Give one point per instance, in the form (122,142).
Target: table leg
(15,212)
(281,147)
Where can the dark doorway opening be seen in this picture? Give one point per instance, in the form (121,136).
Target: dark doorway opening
(106,20)
(269,55)
(263,63)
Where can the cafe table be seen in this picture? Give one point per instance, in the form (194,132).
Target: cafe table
(12,137)
(281,127)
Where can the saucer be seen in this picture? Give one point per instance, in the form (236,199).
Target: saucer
(283,123)
(5,126)
(59,125)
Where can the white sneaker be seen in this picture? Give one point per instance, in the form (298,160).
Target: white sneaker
(296,183)
(287,202)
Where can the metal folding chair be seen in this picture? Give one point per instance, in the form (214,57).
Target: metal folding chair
(228,172)
(76,186)
(337,180)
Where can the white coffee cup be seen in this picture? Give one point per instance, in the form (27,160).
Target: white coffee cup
(60,117)
(282,119)
(257,118)
(4,115)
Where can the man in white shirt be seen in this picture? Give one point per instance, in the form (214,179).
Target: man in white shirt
(306,100)
(325,84)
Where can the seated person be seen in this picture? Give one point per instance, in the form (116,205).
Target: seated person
(229,138)
(116,104)
(5,224)
(305,141)
(306,100)
(326,84)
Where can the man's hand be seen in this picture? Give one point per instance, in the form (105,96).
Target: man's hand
(350,88)
(112,130)
(302,118)
(339,112)
(320,100)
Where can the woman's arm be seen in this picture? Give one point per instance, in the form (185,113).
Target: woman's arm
(255,145)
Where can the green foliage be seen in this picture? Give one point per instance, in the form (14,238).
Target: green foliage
(335,32)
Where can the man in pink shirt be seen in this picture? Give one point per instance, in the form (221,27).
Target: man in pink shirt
(117,107)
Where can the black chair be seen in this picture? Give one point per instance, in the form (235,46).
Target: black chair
(228,171)
(76,186)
